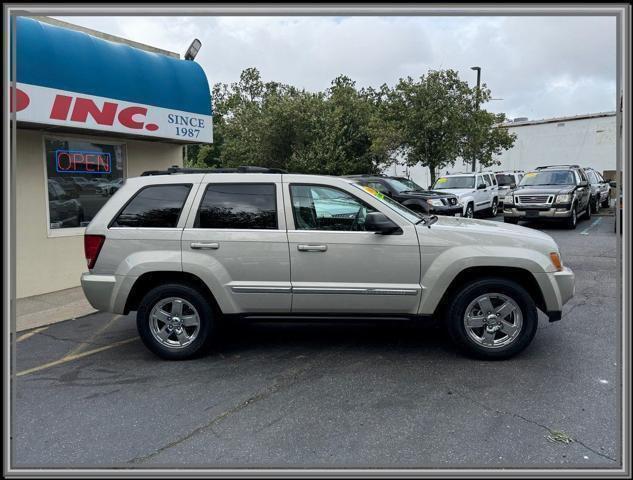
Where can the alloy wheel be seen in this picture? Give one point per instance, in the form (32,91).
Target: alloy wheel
(493,320)
(174,322)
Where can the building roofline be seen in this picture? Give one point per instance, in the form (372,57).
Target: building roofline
(102,35)
(571,118)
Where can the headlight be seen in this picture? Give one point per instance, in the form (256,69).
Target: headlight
(436,202)
(563,198)
(508,199)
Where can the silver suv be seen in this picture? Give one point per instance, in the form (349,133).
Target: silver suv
(187,250)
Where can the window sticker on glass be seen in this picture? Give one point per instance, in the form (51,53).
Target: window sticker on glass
(441,180)
(530,174)
(374,192)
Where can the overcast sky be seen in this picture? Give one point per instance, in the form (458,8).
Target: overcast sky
(538,67)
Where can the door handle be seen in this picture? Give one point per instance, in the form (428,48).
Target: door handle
(205,246)
(312,248)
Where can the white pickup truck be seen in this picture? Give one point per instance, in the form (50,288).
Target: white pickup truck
(477,192)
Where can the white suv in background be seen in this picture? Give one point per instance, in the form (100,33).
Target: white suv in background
(477,192)
(507,180)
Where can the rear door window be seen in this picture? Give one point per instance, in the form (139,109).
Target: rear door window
(156,206)
(238,206)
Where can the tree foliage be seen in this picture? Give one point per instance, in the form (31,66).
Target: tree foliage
(431,121)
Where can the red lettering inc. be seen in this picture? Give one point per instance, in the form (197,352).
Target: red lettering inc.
(61,106)
(126,117)
(84,107)
(88,163)
(21,99)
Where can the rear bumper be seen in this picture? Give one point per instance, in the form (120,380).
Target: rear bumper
(107,293)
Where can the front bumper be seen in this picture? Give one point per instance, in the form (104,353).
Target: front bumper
(451,210)
(549,212)
(557,288)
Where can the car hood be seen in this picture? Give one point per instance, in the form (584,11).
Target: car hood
(426,194)
(457,191)
(543,189)
(456,231)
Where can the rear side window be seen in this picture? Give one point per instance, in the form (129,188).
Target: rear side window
(238,206)
(157,206)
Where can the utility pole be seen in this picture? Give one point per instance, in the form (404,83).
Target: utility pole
(478,69)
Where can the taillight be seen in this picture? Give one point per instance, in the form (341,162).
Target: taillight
(92,247)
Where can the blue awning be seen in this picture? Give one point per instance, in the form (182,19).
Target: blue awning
(73,80)
(71,60)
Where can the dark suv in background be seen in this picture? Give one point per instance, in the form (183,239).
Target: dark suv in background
(411,195)
(600,190)
(557,192)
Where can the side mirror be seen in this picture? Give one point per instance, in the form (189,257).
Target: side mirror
(583,183)
(481,186)
(613,183)
(379,223)
(513,185)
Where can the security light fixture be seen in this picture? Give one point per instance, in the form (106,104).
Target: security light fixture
(193,49)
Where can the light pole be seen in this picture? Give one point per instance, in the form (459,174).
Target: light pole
(478,69)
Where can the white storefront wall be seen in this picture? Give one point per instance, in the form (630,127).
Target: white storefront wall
(589,142)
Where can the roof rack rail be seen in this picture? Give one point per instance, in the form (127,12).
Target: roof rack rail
(242,169)
(554,166)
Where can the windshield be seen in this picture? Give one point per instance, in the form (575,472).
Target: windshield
(504,179)
(549,177)
(392,204)
(455,182)
(403,184)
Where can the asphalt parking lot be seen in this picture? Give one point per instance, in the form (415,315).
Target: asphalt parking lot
(88,394)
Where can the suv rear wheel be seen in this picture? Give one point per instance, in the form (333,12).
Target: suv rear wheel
(174,321)
(494,209)
(492,318)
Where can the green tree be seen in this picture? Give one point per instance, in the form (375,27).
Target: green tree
(434,121)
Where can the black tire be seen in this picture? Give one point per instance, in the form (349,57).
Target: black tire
(468,293)
(595,205)
(494,210)
(197,300)
(588,211)
(511,220)
(572,221)
(470,211)
(605,203)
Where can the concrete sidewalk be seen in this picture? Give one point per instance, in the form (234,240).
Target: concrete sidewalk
(48,308)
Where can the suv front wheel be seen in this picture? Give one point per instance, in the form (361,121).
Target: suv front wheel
(174,321)
(492,318)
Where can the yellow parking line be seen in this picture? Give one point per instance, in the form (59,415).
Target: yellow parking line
(85,343)
(21,338)
(70,358)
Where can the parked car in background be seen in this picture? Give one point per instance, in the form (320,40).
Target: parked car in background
(85,184)
(64,210)
(411,195)
(69,186)
(108,187)
(257,245)
(507,180)
(557,193)
(475,191)
(600,190)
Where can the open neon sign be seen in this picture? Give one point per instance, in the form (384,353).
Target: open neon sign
(76,161)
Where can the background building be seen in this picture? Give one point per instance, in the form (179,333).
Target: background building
(91,110)
(587,140)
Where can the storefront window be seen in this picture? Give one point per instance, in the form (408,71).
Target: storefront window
(82,175)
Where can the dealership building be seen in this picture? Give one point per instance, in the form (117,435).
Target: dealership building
(587,140)
(91,110)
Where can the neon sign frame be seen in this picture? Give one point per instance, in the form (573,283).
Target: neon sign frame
(84,153)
